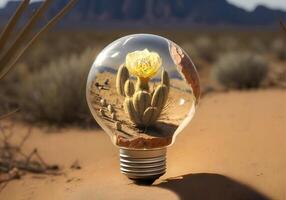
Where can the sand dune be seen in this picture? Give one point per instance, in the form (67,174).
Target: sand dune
(234,149)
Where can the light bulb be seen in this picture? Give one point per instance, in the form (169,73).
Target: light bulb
(143,91)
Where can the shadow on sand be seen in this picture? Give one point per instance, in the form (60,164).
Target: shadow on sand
(206,186)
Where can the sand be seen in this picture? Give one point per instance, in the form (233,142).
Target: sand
(234,149)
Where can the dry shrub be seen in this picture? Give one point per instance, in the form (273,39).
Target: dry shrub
(228,43)
(8,88)
(56,94)
(191,50)
(278,47)
(204,48)
(257,45)
(189,47)
(240,70)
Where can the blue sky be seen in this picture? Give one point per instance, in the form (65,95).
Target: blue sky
(3,2)
(251,4)
(246,4)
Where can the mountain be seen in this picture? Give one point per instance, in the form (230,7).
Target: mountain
(159,13)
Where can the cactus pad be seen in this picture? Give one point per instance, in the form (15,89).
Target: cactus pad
(142,106)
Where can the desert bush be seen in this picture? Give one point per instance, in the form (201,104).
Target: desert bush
(240,70)
(257,45)
(56,94)
(227,43)
(203,48)
(9,85)
(189,48)
(278,47)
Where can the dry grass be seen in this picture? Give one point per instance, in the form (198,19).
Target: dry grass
(56,94)
(240,70)
(11,50)
(278,47)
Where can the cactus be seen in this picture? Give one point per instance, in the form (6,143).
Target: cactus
(142,106)
(141,101)
(142,84)
(129,88)
(150,116)
(122,77)
(160,96)
(129,108)
(165,79)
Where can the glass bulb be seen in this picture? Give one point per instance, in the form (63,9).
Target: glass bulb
(143,91)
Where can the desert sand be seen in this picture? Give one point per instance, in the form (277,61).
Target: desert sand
(234,148)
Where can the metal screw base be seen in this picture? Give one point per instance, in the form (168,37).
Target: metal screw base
(143,165)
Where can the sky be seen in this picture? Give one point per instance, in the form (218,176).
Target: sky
(251,4)
(3,2)
(246,4)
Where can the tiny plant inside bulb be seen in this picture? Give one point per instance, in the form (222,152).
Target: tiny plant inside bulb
(143,90)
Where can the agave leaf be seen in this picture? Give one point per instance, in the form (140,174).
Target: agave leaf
(283,25)
(12,23)
(10,53)
(52,22)
(14,48)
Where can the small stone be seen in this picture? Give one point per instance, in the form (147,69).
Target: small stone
(96,84)
(75,165)
(14,173)
(106,82)
(118,126)
(103,102)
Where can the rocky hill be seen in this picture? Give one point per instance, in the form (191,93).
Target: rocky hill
(136,13)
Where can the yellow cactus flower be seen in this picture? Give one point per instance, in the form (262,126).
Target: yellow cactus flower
(143,64)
